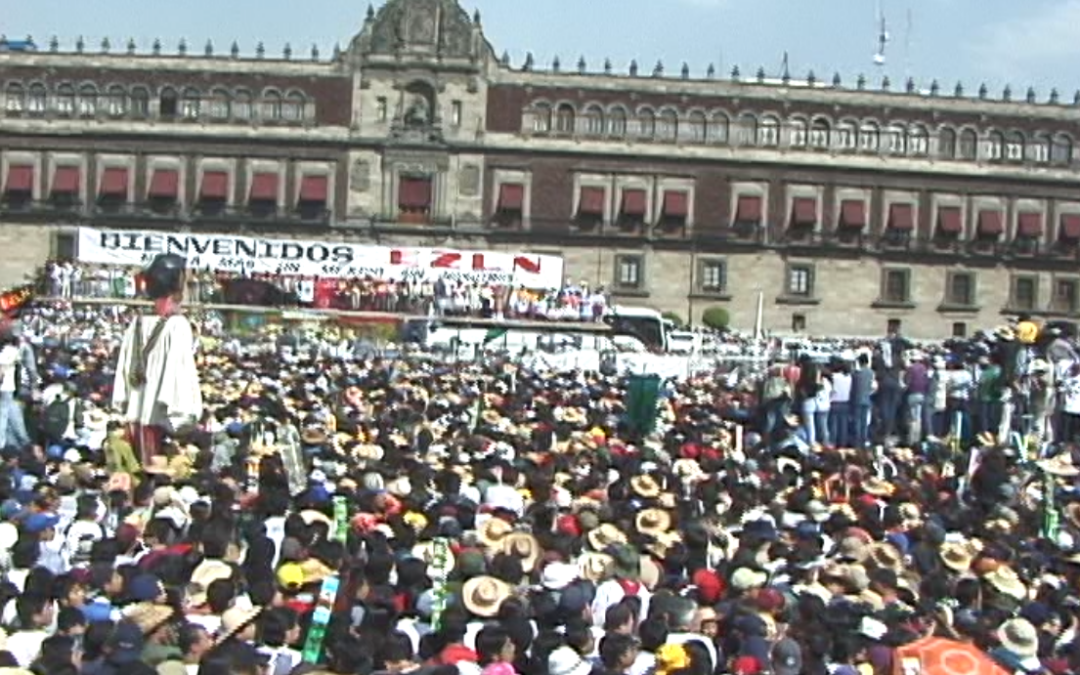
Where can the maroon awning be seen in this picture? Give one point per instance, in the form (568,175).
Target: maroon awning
(414,192)
(634,203)
(902,217)
(950,219)
(215,185)
(20,178)
(114,182)
(264,187)
(1070,226)
(591,201)
(66,180)
(1029,224)
(853,214)
(676,204)
(804,211)
(748,209)
(511,197)
(165,183)
(991,223)
(314,189)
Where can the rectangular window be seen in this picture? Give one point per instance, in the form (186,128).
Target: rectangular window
(1014,151)
(893,325)
(380,109)
(896,286)
(959,329)
(961,290)
(14,102)
(1065,296)
(798,323)
(800,281)
(455,113)
(1039,152)
(1025,293)
(994,151)
(189,108)
(628,272)
(713,276)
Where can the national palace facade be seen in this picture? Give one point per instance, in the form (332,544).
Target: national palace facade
(851,205)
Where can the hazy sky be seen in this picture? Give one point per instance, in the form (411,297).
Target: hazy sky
(1032,42)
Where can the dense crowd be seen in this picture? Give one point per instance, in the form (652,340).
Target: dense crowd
(836,516)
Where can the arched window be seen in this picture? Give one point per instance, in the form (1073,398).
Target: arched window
(14,97)
(541,118)
(242,105)
(140,102)
(918,141)
(564,119)
(270,108)
(1038,150)
(37,101)
(748,129)
(168,103)
(720,129)
(847,136)
(65,100)
(869,137)
(969,144)
(594,120)
(667,125)
(293,108)
(191,104)
(819,134)
(946,143)
(768,134)
(88,95)
(646,123)
(995,146)
(1014,146)
(697,127)
(219,104)
(798,134)
(1062,150)
(897,139)
(617,122)
(116,101)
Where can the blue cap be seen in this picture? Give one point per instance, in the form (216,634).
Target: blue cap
(10,508)
(144,588)
(97,611)
(39,522)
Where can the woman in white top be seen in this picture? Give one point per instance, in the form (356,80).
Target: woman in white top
(12,423)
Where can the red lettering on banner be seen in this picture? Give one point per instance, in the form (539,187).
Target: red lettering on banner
(478,262)
(403,257)
(446,261)
(396,257)
(530,265)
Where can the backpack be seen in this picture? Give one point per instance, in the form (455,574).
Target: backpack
(55,418)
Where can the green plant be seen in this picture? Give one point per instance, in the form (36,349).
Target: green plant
(673,318)
(717,318)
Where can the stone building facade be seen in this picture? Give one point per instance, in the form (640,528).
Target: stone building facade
(850,206)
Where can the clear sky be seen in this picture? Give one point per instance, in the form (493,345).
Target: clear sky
(1026,42)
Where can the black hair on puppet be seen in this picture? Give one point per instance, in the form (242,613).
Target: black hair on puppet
(164,276)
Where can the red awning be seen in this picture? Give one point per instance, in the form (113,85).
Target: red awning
(748,209)
(804,211)
(676,204)
(853,214)
(950,219)
(165,184)
(591,201)
(1070,226)
(1029,224)
(114,182)
(66,180)
(991,223)
(314,189)
(264,187)
(414,192)
(511,197)
(902,217)
(20,178)
(634,203)
(215,185)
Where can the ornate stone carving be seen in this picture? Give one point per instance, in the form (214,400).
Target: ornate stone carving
(360,176)
(469,180)
(420,25)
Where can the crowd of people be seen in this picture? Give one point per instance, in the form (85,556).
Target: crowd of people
(484,519)
(576,302)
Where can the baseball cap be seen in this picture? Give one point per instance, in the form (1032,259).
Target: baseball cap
(39,522)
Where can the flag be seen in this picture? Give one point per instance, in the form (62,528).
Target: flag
(494,334)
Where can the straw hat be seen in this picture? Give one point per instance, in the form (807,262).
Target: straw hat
(1006,581)
(595,566)
(524,546)
(236,619)
(1060,465)
(653,521)
(887,556)
(1019,637)
(484,595)
(605,535)
(493,531)
(957,556)
(878,487)
(311,516)
(645,486)
(148,616)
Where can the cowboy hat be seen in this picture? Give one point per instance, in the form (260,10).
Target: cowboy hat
(236,619)
(605,535)
(645,486)
(886,556)
(493,531)
(1060,465)
(484,595)
(957,556)
(1019,637)
(524,546)
(652,521)
(595,566)
(148,616)
(1007,582)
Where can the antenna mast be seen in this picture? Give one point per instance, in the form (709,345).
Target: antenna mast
(908,30)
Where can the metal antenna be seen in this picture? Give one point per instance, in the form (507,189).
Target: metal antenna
(882,37)
(908,30)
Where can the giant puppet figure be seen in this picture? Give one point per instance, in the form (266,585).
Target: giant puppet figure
(157,383)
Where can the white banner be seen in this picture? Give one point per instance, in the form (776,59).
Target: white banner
(313,258)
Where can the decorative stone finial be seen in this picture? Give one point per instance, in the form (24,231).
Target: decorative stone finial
(836,81)
(885,83)
(286,53)
(860,82)
(80,45)
(1076,97)
(909,86)
(811,79)
(633,68)
(105,45)
(958,92)
(935,88)
(1030,97)
(155,48)
(234,50)
(314,52)
(182,47)
(555,64)
(476,17)
(1055,98)
(983,91)
(505,59)
(685,72)
(582,67)
(529,62)
(761,75)
(1006,94)
(337,52)
(208,49)
(131,46)
(607,66)
(260,50)
(54,44)
(658,69)
(370,13)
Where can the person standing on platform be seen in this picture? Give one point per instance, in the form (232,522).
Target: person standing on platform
(157,382)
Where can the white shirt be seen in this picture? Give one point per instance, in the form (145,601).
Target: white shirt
(9,360)
(841,388)
(25,645)
(171,397)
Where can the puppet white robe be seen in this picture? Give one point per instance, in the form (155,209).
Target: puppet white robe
(171,398)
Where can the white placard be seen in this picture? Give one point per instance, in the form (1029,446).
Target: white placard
(324,259)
